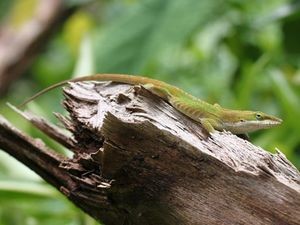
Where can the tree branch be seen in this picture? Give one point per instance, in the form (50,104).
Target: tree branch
(18,47)
(139,161)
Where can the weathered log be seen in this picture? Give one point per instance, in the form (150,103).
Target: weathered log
(139,161)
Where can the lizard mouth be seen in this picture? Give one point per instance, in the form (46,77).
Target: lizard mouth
(250,126)
(270,123)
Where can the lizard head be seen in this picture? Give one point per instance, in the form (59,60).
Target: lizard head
(239,122)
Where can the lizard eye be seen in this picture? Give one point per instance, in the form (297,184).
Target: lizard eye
(242,120)
(258,116)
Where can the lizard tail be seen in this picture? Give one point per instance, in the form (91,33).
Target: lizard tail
(128,79)
(42,92)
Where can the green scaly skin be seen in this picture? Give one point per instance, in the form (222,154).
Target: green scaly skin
(212,117)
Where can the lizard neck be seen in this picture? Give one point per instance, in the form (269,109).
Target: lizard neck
(228,115)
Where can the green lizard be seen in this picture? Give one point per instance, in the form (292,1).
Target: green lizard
(212,117)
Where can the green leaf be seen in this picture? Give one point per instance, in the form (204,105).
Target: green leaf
(138,38)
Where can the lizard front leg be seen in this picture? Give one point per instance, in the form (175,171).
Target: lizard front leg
(208,124)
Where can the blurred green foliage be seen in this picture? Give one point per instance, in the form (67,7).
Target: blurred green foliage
(241,54)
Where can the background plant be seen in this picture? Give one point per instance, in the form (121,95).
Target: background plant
(241,54)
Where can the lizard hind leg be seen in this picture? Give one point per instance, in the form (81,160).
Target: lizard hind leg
(161,92)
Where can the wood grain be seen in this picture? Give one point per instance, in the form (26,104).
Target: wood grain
(139,161)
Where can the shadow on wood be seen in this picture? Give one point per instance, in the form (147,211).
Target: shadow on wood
(139,161)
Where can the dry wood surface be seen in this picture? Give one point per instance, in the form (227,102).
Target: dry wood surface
(137,160)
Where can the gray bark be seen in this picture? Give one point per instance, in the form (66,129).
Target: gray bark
(139,161)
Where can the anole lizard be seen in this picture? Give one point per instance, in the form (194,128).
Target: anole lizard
(211,116)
